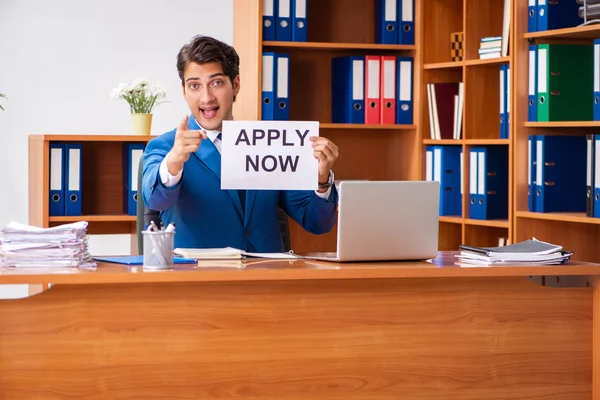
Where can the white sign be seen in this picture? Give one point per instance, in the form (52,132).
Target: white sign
(269,155)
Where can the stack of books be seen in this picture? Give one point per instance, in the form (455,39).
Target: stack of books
(31,246)
(490,47)
(528,252)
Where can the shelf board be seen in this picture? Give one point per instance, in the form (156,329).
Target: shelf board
(443,65)
(338,46)
(365,126)
(451,219)
(435,142)
(489,61)
(564,217)
(487,142)
(90,138)
(495,223)
(562,124)
(94,218)
(579,32)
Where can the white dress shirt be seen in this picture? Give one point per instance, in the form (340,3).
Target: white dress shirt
(172,180)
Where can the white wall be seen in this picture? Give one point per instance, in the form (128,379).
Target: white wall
(59,61)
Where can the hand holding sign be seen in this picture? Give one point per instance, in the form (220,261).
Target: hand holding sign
(186,142)
(326,152)
(273,155)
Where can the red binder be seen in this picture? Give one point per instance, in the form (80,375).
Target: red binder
(388,90)
(372,85)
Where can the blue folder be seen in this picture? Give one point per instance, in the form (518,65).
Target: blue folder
(139,260)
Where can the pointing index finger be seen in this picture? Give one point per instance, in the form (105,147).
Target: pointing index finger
(183,124)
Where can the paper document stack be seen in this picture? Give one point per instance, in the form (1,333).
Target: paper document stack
(30,246)
(528,252)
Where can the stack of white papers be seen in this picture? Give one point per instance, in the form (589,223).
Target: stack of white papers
(30,246)
(226,253)
(528,252)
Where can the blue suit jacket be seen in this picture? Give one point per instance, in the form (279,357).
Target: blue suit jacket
(208,217)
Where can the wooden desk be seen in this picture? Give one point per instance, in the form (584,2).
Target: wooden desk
(302,330)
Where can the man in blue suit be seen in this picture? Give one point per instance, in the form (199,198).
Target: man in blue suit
(182,168)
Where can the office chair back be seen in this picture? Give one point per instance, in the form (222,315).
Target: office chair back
(145,215)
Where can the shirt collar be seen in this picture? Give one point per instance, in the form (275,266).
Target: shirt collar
(212,135)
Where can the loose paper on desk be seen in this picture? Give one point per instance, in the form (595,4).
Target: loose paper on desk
(270,155)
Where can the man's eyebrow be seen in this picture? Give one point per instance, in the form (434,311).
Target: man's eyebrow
(195,78)
(217,74)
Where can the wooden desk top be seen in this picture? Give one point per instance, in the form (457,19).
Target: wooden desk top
(442,266)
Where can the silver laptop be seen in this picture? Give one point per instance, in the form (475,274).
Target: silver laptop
(386,220)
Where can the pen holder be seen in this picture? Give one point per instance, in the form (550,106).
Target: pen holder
(158,249)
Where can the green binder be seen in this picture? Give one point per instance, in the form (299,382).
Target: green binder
(565,82)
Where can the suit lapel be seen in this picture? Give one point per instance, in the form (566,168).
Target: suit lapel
(208,155)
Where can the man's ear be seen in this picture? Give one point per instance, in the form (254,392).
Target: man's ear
(236,86)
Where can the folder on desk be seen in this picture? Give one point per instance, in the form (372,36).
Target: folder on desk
(268,17)
(406,18)
(57,176)
(532,12)
(532,92)
(491,187)
(299,26)
(283,21)
(531,172)
(386,22)
(388,90)
(348,90)
(443,164)
(372,84)
(268,86)
(132,153)
(596,102)
(282,88)
(73,179)
(560,173)
(565,82)
(404,107)
(554,14)
(590,174)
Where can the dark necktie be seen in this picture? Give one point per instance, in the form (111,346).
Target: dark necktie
(241,193)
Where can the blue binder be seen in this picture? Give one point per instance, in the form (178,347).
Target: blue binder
(282,87)
(348,90)
(56,174)
(445,164)
(268,17)
(590,174)
(531,172)
(132,153)
(406,18)
(268,86)
(73,179)
(532,82)
(492,183)
(596,178)
(283,21)
(386,22)
(596,80)
(503,101)
(299,23)
(560,173)
(404,96)
(532,12)
(557,14)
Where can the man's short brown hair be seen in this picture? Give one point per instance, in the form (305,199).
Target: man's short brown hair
(205,49)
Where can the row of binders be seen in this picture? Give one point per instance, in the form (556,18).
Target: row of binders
(286,20)
(65,197)
(543,15)
(564,174)
(275,86)
(445,102)
(488,180)
(372,90)
(564,82)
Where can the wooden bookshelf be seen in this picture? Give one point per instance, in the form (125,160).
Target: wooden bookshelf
(574,231)
(102,182)
(480,126)
(335,28)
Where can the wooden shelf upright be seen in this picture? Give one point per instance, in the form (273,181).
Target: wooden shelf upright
(335,28)
(480,120)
